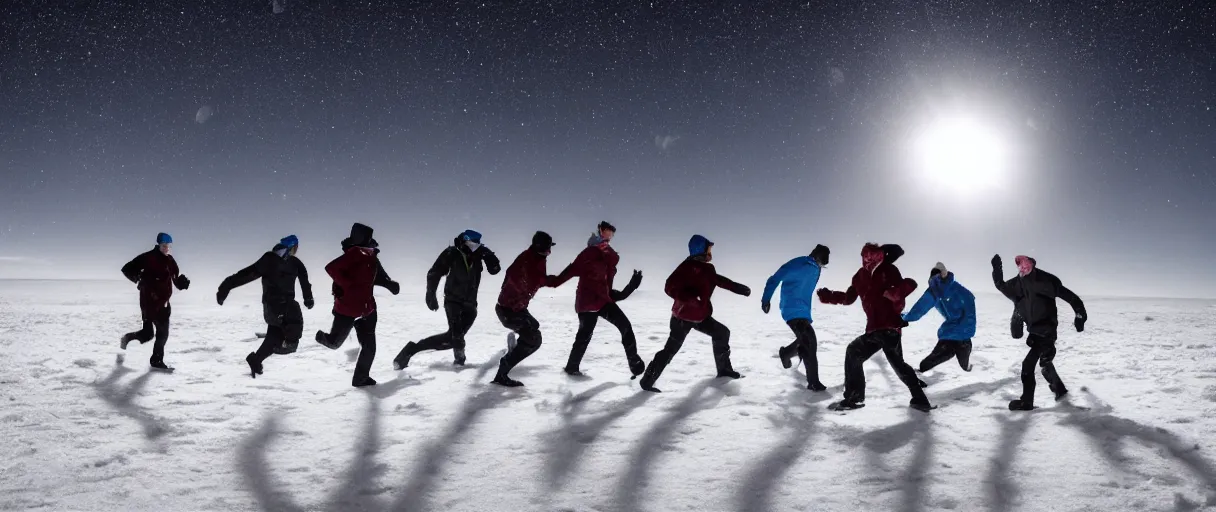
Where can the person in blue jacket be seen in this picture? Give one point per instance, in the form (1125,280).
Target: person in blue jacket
(957,305)
(798,279)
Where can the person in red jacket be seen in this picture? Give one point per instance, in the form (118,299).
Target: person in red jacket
(525,276)
(692,284)
(156,274)
(882,291)
(595,269)
(355,273)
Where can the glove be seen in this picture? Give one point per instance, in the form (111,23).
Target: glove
(996,261)
(308,303)
(221,296)
(1017,330)
(635,280)
(432,303)
(765,306)
(393,287)
(825,295)
(182,282)
(1079,323)
(337,291)
(744,290)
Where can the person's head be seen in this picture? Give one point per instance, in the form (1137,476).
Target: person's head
(871,256)
(1026,264)
(542,243)
(471,239)
(606,231)
(360,236)
(701,248)
(291,244)
(820,254)
(164,243)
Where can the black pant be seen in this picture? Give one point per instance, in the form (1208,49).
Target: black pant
(528,329)
(806,344)
(862,349)
(946,349)
(365,330)
(284,325)
(586,326)
(460,320)
(156,325)
(1043,351)
(719,336)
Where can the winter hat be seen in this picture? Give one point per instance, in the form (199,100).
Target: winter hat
(605,225)
(698,245)
(821,253)
(289,241)
(542,240)
(471,236)
(939,269)
(163,238)
(360,234)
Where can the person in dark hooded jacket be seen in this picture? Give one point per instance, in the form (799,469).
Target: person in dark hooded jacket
(882,291)
(156,274)
(692,286)
(279,269)
(461,264)
(355,273)
(595,268)
(526,275)
(1034,293)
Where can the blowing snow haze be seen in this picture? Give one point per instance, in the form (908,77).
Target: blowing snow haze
(767,126)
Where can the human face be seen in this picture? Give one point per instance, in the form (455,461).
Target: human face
(164,248)
(709,253)
(606,235)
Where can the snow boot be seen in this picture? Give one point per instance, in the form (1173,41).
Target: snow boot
(846,405)
(922,383)
(255,368)
(636,366)
(816,386)
(573,372)
(161,366)
(367,381)
(126,339)
(403,358)
(729,374)
(787,356)
(323,339)
(922,406)
(503,380)
(458,357)
(1021,405)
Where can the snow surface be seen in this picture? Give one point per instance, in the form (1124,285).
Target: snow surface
(87,427)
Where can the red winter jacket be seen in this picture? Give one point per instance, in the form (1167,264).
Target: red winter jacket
(692,284)
(595,269)
(525,276)
(876,290)
(155,274)
(355,272)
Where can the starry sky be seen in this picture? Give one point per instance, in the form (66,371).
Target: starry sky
(768,126)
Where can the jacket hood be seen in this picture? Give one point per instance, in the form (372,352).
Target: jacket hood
(698,245)
(891,252)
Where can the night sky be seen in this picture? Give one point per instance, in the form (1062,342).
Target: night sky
(768,126)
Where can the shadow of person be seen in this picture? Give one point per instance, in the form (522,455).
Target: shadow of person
(1003,490)
(391,387)
(704,395)
(251,460)
(354,494)
(568,443)
(760,482)
(122,399)
(414,496)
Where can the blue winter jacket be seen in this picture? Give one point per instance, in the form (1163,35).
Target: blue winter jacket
(798,279)
(955,303)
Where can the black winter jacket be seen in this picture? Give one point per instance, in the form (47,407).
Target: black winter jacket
(1034,299)
(278,274)
(462,269)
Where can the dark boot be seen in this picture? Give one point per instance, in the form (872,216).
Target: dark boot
(323,339)
(1021,405)
(458,357)
(576,358)
(787,356)
(503,380)
(816,386)
(403,358)
(921,405)
(367,381)
(255,367)
(636,366)
(725,369)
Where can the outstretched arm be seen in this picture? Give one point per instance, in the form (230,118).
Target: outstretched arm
(634,282)
(845,298)
(1005,287)
(493,266)
(574,269)
(726,284)
(770,286)
(921,307)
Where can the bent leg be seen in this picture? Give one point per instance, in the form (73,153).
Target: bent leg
(859,351)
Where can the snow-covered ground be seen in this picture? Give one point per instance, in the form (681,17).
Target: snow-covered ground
(87,427)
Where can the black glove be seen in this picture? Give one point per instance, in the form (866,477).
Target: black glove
(393,287)
(432,302)
(220,296)
(744,290)
(1080,323)
(337,291)
(308,303)
(996,261)
(765,306)
(182,282)
(1017,330)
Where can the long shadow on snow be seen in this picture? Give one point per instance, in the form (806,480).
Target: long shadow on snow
(880,442)
(755,495)
(414,496)
(1001,489)
(570,442)
(650,446)
(354,494)
(252,461)
(122,399)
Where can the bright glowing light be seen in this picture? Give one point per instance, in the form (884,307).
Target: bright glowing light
(962,154)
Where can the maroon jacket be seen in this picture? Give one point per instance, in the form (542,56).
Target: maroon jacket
(692,284)
(882,292)
(525,276)
(156,274)
(355,272)
(595,269)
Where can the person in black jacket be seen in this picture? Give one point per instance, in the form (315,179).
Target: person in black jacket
(278,269)
(155,273)
(1034,293)
(461,264)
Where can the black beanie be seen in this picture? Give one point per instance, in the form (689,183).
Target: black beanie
(542,239)
(821,253)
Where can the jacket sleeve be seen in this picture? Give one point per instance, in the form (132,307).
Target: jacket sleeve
(901,286)
(1071,298)
(305,284)
(493,266)
(382,278)
(845,298)
(134,268)
(337,271)
(969,318)
(770,287)
(438,270)
(725,283)
(241,278)
(678,287)
(1005,287)
(574,269)
(921,307)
